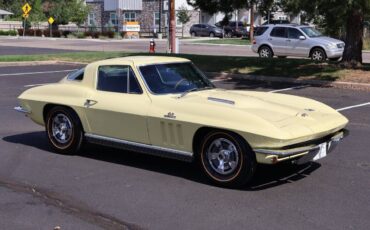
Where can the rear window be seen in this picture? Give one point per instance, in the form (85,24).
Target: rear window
(261,30)
(278,32)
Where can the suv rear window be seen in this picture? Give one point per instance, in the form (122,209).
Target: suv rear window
(261,30)
(278,32)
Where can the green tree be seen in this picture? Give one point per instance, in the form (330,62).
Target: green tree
(337,17)
(183,17)
(37,14)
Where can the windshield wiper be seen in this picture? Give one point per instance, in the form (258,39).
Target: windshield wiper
(194,90)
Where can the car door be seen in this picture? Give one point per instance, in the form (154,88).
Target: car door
(203,30)
(295,45)
(118,107)
(278,40)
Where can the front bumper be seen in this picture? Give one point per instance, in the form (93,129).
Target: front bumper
(334,53)
(301,153)
(22,110)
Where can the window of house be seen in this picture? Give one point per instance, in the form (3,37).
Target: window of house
(118,79)
(91,19)
(113,18)
(156,19)
(130,16)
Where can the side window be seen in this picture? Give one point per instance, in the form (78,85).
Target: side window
(278,32)
(77,75)
(118,79)
(261,30)
(294,33)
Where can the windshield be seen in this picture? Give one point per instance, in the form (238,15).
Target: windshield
(174,78)
(311,32)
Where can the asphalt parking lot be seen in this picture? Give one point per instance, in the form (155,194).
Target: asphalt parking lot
(103,188)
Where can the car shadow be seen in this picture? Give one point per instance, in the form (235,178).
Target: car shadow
(266,176)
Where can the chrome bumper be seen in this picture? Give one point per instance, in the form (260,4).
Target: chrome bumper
(300,155)
(22,110)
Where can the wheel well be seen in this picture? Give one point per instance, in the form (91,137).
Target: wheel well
(265,45)
(48,107)
(316,47)
(201,132)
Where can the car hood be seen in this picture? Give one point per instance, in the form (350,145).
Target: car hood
(326,40)
(293,115)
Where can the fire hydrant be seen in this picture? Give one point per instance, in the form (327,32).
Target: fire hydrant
(152,46)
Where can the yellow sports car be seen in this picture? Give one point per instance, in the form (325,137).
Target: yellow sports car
(166,107)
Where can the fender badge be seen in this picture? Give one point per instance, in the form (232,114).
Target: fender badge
(170,115)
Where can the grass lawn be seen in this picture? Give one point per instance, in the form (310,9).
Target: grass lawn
(226,41)
(292,68)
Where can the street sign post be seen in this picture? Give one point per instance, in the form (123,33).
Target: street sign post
(51,21)
(26,8)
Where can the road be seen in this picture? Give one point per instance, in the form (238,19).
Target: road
(103,188)
(186,46)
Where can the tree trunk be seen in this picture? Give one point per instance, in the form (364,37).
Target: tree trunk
(352,55)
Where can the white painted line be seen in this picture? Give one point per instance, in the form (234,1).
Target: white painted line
(291,88)
(353,106)
(223,79)
(28,86)
(31,73)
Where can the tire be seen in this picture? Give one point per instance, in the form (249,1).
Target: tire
(318,55)
(193,34)
(233,153)
(228,34)
(64,130)
(334,59)
(212,35)
(265,52)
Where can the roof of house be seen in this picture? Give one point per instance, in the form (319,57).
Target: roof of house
(4,12)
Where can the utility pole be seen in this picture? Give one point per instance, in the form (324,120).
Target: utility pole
(251,29)
(172,27)
(160,15)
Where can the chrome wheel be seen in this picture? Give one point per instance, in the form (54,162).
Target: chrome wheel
(223,156)
(318,55)
(265,52)
(62,128)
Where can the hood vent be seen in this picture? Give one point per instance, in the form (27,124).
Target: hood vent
(221,100)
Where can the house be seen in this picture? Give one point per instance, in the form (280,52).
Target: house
(147,13)
(3,14)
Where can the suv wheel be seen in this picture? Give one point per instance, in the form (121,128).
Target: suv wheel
(212,35)
(193,34)
(318,55)
(265,52)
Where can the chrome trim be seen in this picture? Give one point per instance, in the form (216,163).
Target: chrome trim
(140,147)
(21,110)
(221,100)
(332,142)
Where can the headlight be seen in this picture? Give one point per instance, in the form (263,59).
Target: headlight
(340,45)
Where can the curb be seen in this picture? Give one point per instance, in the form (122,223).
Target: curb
(210,44)
(321,83)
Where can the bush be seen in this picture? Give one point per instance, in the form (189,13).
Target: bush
(79,34)
(109,34)
(55,33)
(65,33)
(367,43)
(8,33)
(92,34)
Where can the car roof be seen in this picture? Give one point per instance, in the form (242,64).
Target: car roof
(140,60)
(285,25)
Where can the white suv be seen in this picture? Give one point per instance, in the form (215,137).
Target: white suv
(296,40)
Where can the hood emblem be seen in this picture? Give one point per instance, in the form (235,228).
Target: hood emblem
(170,115)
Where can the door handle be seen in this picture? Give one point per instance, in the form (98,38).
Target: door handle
(270,39)
(288,40)
(89,103)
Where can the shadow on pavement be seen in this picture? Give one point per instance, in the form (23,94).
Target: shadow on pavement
(265,177)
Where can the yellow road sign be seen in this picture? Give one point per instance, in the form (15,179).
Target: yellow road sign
(26,8)
(51,20)
(25,15)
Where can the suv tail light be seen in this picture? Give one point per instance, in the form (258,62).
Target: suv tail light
(254,41)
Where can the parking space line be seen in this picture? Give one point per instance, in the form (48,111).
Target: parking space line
(353,106)
(291,88)
(31,73)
